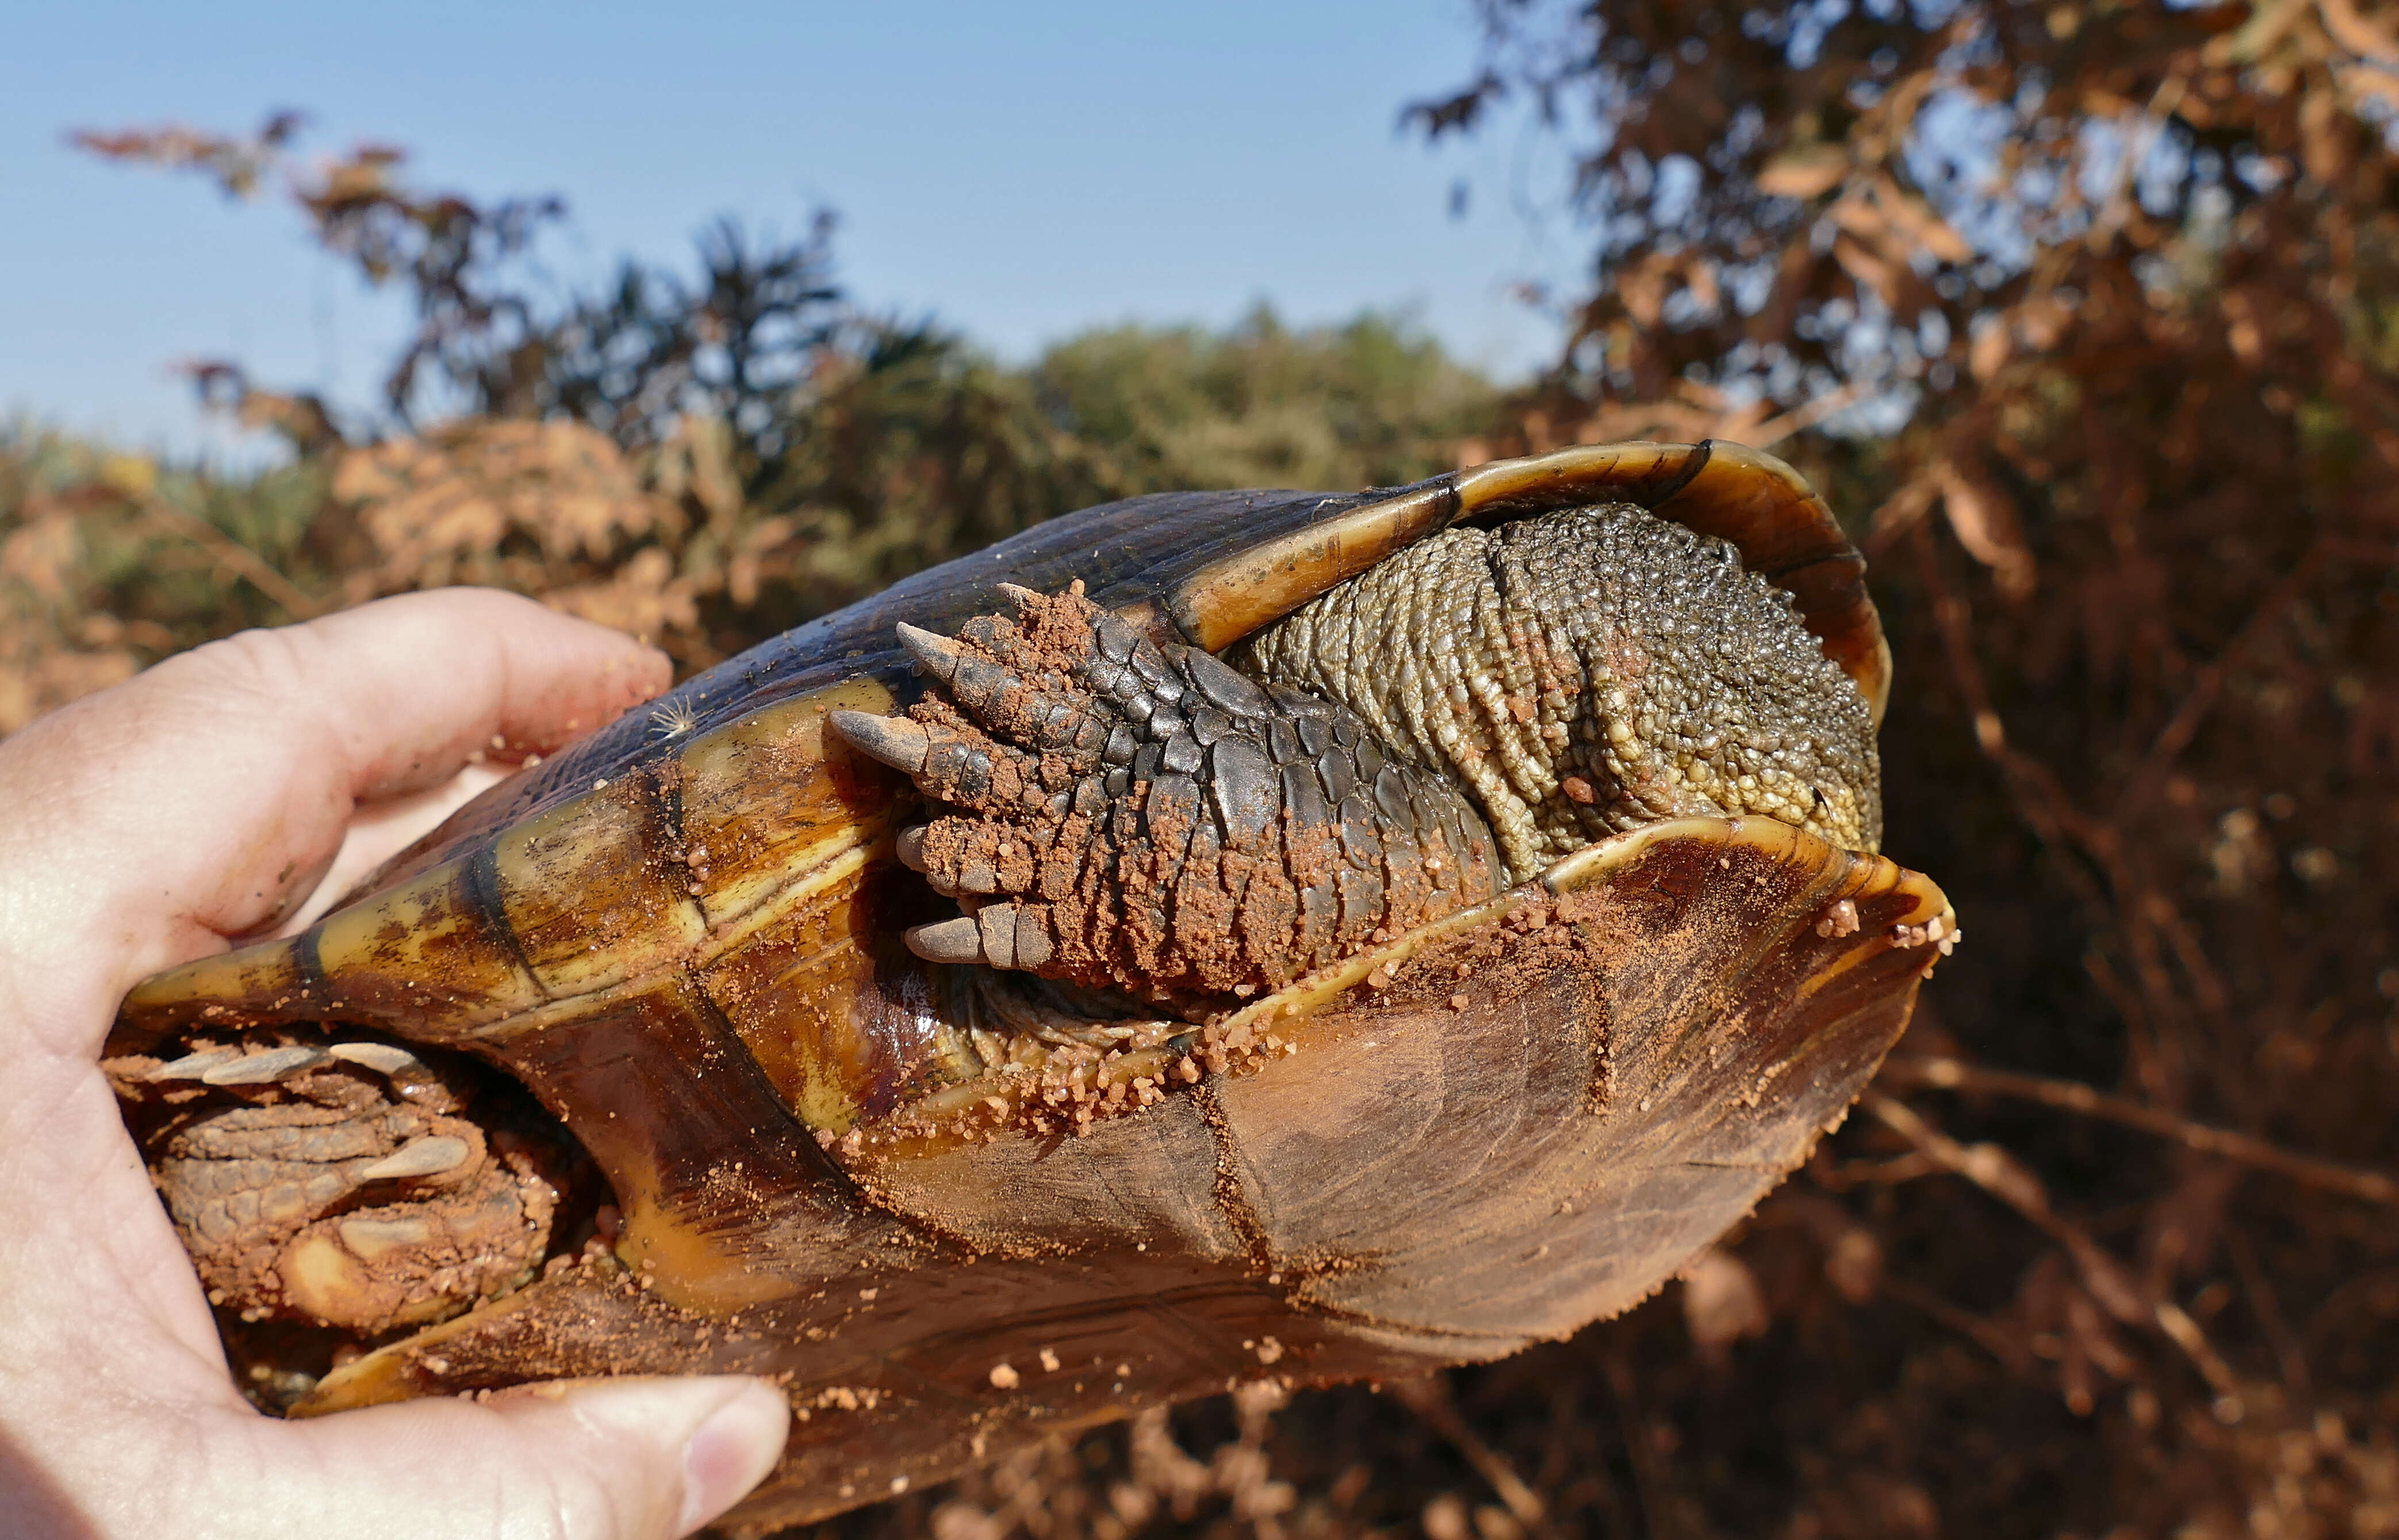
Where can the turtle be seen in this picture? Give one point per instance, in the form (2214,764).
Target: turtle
(1211,936)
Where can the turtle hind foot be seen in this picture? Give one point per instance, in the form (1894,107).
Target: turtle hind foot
(1122,814)
(346,1183)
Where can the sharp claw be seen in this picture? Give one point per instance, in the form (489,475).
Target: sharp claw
(384,1058)
(1017,595)
(1012,936)
(371,1238)
(897,741)
(938,653)
(978,684)
(910,848)
(427,1156)
(959,941)
(259,1068)
(192,1066)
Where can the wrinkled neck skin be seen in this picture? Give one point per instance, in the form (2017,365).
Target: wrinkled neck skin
(1588,672)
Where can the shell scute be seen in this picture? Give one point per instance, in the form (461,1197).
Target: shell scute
(1128,1182)
(767,801)
(435,949)
(588,892)
(1648,991)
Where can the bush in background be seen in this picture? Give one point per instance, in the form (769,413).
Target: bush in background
(701,460)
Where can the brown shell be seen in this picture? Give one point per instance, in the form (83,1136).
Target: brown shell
(1649,1041)
(1492,1131)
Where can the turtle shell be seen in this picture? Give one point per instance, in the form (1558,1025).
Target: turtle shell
(682,936)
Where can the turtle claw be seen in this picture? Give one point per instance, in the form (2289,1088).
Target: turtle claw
(192,1066)
(938,653)
(384,1058)
(959,941)
(349,1183)
(259,1069)
(1097,782)
(1009,936)
(427,1156)
(896,741)
(1013,936)
(910,847)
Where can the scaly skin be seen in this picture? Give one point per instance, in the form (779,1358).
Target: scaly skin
(1588,672)
(1143,818)
(346,1182)
(1149,819)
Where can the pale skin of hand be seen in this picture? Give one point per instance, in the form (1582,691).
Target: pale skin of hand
(145,826)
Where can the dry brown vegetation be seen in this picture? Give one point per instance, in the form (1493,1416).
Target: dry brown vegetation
(704,458)
(2112,1246)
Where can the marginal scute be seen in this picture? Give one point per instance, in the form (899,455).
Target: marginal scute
(594,894)
(435,947)
(588,903)
(767,801)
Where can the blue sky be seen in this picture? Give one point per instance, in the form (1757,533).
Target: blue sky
(1018,171)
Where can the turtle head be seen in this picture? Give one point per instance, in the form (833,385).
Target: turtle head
(1585,672)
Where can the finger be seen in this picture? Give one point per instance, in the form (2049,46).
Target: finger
(200,799)
(378,830)
(627,1459)
(637,1458)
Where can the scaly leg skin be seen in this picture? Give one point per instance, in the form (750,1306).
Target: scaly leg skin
(1141,817)
(345,1183)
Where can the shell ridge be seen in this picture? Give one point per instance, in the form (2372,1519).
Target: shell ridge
(482,872)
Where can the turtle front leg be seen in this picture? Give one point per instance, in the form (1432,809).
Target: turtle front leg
(1129,815)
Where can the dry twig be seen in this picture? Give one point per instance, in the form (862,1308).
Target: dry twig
(1428,1399)
(243,561)
(2074,1096)
(2109,1283)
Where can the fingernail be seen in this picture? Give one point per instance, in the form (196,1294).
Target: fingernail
(731,1453)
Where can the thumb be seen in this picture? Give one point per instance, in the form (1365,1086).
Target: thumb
(617,1459)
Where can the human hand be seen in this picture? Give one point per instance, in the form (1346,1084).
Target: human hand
(143,827)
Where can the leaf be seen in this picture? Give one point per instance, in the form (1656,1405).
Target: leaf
(1810,171)
(1721,1300)
(1902,511)
(1927,229)
(1984,522)
(1867,268)
(2361,37)
(1988,352)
